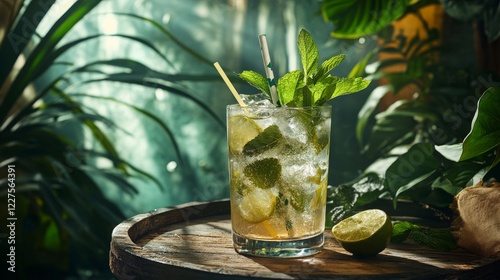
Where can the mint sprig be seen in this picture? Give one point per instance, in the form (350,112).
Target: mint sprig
(256,80)
(436,238)
(313,85)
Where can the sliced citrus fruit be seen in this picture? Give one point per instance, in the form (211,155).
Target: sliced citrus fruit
(257,205)
(319,199)
(317,177)
(366,233)
(237,184)
(241,130)
(298,200)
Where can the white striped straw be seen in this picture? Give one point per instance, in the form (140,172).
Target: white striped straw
(266,58)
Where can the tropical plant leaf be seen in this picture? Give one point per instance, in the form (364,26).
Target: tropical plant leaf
(411,168)
(126,163)
(485,133)
(491,18)
(357,18)
(98,134)
(154,82)
(34,62)
(51,58)
(464,10)
(392,128)
(368,109)
(150,116)
(446,185)
(451,152)
(487,10)
(461,174)
(359,69)
(20,35)
(346,199)
(170,35)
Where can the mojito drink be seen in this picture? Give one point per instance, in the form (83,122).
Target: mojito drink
(278,167)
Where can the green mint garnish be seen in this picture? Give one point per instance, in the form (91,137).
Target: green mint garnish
(266,140)
(264,173)
(256,80)
(288,225)
(308,53)
(435,238)
(313,85)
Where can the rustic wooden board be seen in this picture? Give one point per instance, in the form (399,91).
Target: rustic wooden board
(193,241)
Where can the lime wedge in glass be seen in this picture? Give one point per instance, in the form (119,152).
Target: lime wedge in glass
(257,205)
(241,130)
(319,199)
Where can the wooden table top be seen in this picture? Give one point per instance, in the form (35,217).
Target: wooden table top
(193,241)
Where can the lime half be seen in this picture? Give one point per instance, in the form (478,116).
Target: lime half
(241,130)
(366,233)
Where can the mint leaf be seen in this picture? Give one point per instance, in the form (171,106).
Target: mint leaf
(350,85)
(322,90)
(256,80)
(329,64)
(266,140)
(288,84)
(326,95)
(401,231)
(264,173)
(305,95)
(435,238)
(308,53)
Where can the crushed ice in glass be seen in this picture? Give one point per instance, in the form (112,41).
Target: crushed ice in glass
(258,99)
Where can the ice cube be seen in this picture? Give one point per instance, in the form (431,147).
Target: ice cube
(258,99)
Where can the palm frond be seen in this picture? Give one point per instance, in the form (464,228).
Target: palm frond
(35,61)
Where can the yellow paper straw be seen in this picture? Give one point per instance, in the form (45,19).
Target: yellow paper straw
(266,59)
(229,85)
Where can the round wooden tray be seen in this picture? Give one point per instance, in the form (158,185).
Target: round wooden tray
(193,241)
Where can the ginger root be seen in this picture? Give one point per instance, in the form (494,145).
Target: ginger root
(476,222)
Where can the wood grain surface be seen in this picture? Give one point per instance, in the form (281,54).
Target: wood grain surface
(193,241)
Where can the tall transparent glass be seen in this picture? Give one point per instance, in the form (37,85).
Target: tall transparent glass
(278,170)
